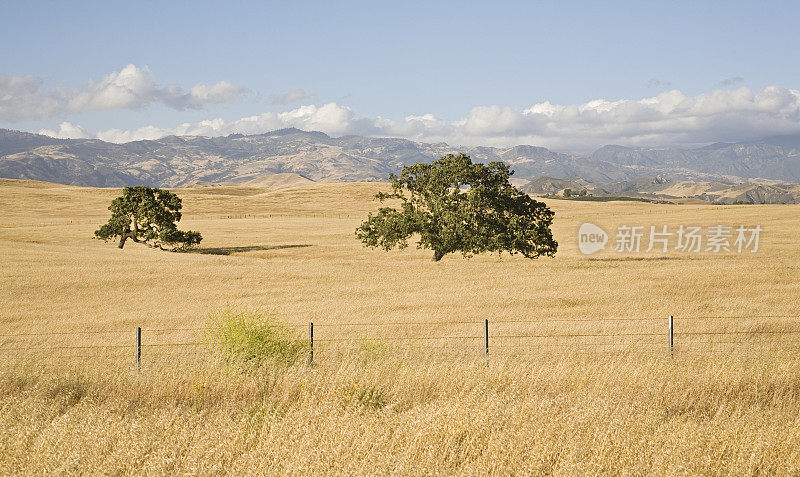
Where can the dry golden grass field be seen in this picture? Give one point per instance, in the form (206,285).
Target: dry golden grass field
(416,399)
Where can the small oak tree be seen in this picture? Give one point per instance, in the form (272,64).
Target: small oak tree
(456,205)
(147,215)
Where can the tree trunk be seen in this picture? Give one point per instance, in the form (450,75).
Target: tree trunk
(437,255)
(135,233)
(129,235)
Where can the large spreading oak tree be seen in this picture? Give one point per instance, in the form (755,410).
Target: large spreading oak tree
(148,215)
(456,205)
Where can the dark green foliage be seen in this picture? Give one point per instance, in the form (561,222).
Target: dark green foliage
(148,215)
(456,205)
(572,193)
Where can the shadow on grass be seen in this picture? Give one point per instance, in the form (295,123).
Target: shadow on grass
(637,259)
(246,248)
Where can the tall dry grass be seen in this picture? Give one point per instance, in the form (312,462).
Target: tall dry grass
(389,406)
(563,414)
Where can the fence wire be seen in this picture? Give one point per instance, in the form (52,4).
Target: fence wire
(703,334)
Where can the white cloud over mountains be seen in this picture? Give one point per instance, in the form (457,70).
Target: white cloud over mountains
(23,97)
(66,130)
(668,119)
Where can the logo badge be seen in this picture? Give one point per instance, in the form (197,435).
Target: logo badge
(591,238)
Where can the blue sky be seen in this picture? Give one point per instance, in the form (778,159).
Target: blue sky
(464,72)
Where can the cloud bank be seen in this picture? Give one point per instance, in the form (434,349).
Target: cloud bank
(23,97)
(66,130)
(669,119)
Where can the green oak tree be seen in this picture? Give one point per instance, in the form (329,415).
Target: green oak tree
(456,205)
(148,215)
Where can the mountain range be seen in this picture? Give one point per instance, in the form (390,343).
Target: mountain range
(660,189)
(177,161)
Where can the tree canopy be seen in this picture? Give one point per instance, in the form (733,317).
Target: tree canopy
(147,215)
(456,205)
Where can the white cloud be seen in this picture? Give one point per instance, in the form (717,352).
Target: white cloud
(493,121)
(671,118)
(23,97)
(120,135)
(66,131)
(222,92)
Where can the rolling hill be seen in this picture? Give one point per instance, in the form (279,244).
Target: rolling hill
(314,156)
(660,189)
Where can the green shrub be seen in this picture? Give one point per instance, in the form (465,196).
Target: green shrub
(254,340)
(370,351)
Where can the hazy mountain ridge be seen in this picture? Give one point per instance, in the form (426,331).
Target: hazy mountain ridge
(175,161)
(17,141)
(659,188)
(741,160)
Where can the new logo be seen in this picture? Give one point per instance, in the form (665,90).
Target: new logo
(591,238)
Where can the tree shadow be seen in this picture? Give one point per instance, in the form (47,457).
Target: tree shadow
(637,259)
(246,248)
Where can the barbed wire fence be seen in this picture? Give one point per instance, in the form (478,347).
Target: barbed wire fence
(667,335)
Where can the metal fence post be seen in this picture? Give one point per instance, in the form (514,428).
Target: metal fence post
(669,332)
(138,347)
(310,342)
(486,335)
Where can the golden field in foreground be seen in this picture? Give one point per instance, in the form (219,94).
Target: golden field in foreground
(537,406)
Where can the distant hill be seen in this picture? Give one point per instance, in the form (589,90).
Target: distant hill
(659,188)
(268,181)
(12,142)
(776,160)
(179,161)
